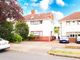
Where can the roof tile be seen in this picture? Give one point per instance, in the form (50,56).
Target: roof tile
(72,17)
(41,16)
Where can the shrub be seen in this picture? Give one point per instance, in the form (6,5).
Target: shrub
(16,38)
(22,29)
(5,29)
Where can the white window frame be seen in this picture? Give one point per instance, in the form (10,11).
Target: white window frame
(36,22)
(67,22)
(73,36)
(37,33)
(78,22)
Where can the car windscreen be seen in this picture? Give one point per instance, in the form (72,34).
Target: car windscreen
(63,37)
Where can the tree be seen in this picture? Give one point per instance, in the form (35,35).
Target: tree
(5,29)
(22,29)
(10,9)
(56,30)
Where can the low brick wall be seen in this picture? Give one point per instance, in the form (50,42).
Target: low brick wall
(42,38)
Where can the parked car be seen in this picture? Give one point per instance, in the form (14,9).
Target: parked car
(78,39)
(64,39)
(4,44)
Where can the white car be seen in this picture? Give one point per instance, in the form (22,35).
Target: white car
(64,39)
(78,38)
(4,44)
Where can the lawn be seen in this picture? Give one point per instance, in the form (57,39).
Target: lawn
(67,52)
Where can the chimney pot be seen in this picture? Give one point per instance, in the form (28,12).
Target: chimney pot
(33,12)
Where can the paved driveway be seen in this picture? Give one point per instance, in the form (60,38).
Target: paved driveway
(32,47)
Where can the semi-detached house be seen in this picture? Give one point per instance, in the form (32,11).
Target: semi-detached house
(40,24)
(70,26)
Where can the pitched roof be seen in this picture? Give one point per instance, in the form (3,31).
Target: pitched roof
(41,16)
(72,17)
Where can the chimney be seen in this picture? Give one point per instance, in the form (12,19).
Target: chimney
(33,12)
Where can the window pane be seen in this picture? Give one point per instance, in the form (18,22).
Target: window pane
(67,22)
(73,35)
(70,35)
(78,34)
(78,22)
(36,22)
(41,22)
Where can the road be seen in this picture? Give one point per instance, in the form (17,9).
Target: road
(13,55)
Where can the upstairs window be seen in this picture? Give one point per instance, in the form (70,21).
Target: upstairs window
(41,22)
(67,22)
(36,22)
(73,22)
(78,22)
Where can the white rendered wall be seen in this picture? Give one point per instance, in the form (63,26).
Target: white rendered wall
(72,27)
(46,27)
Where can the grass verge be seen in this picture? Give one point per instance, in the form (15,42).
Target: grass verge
(75,54)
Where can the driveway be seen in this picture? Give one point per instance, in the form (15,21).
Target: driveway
(32,47)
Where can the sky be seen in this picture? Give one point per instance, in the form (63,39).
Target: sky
(59,8)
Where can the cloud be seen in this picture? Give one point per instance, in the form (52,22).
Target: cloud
(26,4)
(60,2)
(34,0)
(44,4)
(35,4)
(57,16)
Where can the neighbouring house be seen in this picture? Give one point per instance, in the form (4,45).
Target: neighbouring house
(40,24)
(70,26)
